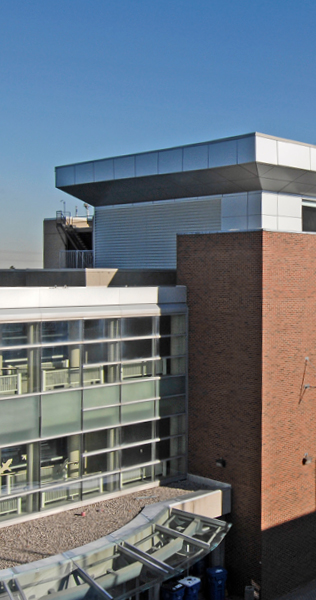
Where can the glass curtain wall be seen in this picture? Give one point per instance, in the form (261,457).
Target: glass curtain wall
(89,407)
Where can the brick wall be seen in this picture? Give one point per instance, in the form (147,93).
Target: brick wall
(252,322)
(223,276)
(288,412)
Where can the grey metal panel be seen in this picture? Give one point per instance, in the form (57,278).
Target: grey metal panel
(246,150)
(124,167)
(104,170)
(222,154)
(234,165)
(65,176)
(195,157)
(170,161)
(84,173)
(293,155)
(144,235)
(147,164)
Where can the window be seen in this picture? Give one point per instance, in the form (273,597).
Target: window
(309,218)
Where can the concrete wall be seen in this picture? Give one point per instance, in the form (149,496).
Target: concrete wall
(52,244)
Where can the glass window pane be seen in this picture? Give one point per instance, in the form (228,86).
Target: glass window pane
(100,353)
(99,440)
(93,329)
(136,327)
(100,374)
(135,476)
(163,428)
(19,334)
(136,433)
(134,349)
(137,412)
(170,468)
(101,396)
(171,346)
(14,470)
(19,372)
(178,324)
(101,417)
(19,419)
(60,496)
(136,455)
(61,413)
(60,459)
(170,426)
(170,406)
(100,463)
(168,448)
(60,367)
(174,324)
(170,366)
(171,385)
(137,370)
(164,346)
(112,328)
(60,331)
(100,485)
(177,346)
(138,391)
(163,449)
(13,334)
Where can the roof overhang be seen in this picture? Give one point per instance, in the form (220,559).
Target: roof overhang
(240,164)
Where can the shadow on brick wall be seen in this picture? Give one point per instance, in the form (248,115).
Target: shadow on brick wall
(288,556)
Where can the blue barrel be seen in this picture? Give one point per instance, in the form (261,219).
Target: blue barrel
(216,578)
(172,590)
(192,586)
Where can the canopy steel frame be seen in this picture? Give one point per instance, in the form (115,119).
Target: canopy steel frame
(87,579)
(186,538)
(143,555)
(19,588)
(145,561)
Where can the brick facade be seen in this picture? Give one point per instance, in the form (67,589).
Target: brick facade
(252,301)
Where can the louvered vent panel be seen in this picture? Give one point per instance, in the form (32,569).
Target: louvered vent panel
(143,236)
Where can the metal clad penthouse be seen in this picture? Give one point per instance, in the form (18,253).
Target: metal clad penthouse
(143,200)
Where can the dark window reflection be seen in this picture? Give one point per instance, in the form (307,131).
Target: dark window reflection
(136,456)
(137,327)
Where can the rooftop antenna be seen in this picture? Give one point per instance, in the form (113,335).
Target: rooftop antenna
(64,203)
(87,208)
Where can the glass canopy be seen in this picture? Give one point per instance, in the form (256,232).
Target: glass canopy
(149,555)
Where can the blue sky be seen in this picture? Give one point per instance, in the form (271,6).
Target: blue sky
(86,79)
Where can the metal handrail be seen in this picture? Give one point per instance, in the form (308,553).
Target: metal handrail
(76,259)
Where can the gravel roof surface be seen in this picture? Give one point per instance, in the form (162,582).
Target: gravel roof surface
(40,538)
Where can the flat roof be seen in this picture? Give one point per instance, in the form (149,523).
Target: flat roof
(249,162)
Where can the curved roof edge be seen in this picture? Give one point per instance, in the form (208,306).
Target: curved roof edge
(161,542)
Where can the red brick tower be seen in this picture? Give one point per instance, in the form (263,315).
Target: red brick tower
(252,324)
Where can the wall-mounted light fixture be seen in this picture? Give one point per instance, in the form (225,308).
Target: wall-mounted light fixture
(307,459)
(220,462)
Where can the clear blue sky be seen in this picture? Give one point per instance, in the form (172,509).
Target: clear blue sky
(86,79)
